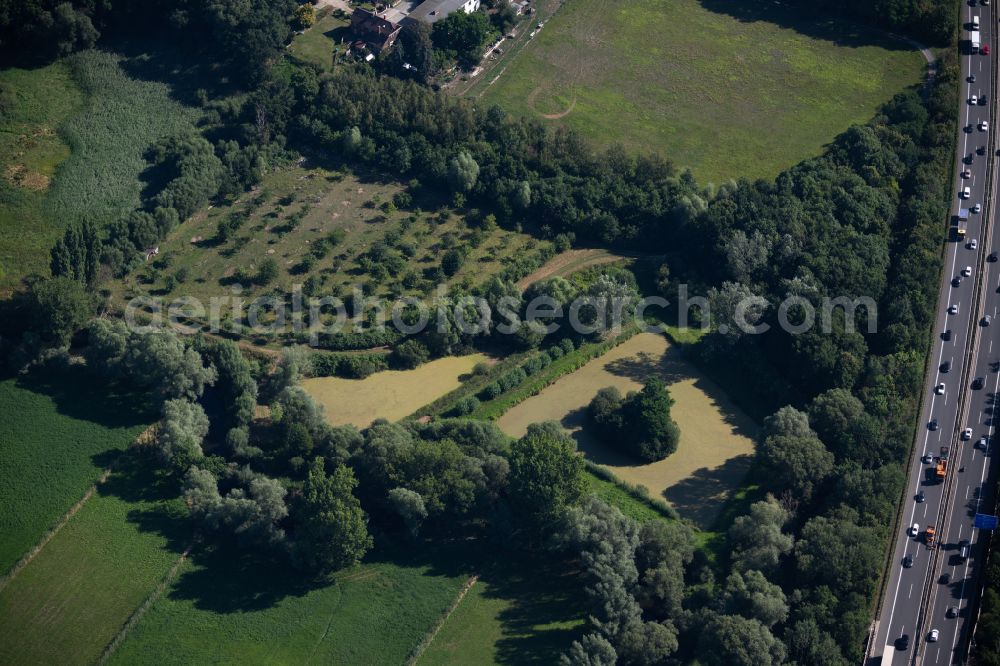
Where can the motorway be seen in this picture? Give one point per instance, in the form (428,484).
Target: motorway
(916,599)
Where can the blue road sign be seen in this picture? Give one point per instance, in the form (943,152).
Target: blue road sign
(985,522)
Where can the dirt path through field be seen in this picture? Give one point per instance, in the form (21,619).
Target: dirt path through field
(716,437)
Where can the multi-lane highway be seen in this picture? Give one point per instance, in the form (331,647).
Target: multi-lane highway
(930,588)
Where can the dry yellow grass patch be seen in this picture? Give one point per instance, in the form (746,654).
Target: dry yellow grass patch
(716,437)
(390,395)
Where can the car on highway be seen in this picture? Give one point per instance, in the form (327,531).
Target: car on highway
(973,244)
(952,611)
(945,578)
(908,561)
(973,100)
(964,549)
(927,459)
(920,497)
(987,320)
(953,308)
(980,443)
(966,193)
(972,78)
(966,174)
(977,208)
(985,50)
(933,636)
(939,389)
(903,642)
(915,529)
(981,150)
(967,434)
(969,129)
(933,425)
(956,281)
(967,271)
(946,366)
(984,126)
(978,383)
(992,257)
(982,102)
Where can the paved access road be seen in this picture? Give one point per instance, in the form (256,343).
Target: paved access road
(915,602)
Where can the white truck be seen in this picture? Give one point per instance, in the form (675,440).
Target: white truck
(974,41)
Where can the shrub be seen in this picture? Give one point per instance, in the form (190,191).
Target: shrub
(409,354)
(465,406)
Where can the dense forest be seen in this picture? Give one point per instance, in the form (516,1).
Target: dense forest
(865,220)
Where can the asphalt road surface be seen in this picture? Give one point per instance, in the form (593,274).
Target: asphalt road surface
(916,600)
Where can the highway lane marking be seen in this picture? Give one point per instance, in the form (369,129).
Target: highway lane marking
(910,595)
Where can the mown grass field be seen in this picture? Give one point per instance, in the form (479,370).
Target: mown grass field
(72,147)
(71,600)
(57,434)
(392,394)
(30,151)
(226,607)
(340,210)
(716,437)
(725,87)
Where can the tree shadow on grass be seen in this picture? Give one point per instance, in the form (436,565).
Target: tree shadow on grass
(77,394)
(842,31)
(547,610)
(701,496)
(229,579)
(137,478)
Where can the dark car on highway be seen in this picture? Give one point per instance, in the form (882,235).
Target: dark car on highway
(933,425)
(903,642)
(946,336)
(978,383)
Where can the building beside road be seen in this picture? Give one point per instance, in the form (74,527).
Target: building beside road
(432,11)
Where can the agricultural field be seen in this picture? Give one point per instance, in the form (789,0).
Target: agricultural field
(337,229)
(71,600)
(727,88)
(226,607)
(57,434)
(391,394)
(316,45)
(74,146)
(716,437)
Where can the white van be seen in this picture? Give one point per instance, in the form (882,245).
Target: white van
(915,530)
(975,22)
